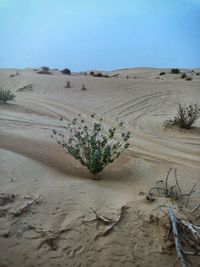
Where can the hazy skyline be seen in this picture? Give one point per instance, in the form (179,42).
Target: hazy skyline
(91,34)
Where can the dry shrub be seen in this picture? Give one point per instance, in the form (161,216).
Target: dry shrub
(186,116)
(44,70)
(6,95)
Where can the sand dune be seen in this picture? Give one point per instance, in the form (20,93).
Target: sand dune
(31,163)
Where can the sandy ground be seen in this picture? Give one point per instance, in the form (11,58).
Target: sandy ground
(59,229)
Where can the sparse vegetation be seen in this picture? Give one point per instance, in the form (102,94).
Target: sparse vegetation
(162,73)
(175,71)
(68,85)
(92,144)
(188,78)
(185,118)
(83,87)
(197,73)
(26,88)
(99,75)
(183,76)
(44,70)
(6,95)
(66,71)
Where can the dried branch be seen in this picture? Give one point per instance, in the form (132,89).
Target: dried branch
(117,220)
(162,188)
(195,208)
(6,198)
(186,237)
(176,237)
(188,197)
(25,207)
(101,218)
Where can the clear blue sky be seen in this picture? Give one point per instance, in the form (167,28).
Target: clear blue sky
(99,34)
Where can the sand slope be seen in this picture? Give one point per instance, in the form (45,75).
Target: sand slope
(31,163)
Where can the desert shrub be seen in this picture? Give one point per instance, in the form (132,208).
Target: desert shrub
(186,116)
(92,144)
(175,71)
(12,75)
(83,87)
(26,88)
(68,85)
(99,74)
(162,73)
(183,76)
(188,79)
(44,70)
(197,73)
(6,95)
(66,71)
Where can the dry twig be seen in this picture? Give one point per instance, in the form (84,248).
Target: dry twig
(186,237)
(163,189)
(25,207)
(110,222)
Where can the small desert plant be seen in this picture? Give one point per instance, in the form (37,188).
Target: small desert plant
(183,76)
(92,73)
(68,85)
(162,73)
(185,118)
(188,78)
(83,87)
(44,70)
(6,95)
(197,73)
(66,71)
(12,75)
(175,71)
(92,144)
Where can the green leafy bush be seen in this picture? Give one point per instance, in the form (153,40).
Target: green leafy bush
(93,144)
(185,118)
(6,95)
(175,71)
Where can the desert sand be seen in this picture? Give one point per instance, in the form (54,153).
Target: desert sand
(59,230)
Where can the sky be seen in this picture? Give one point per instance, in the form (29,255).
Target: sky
(99,34)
